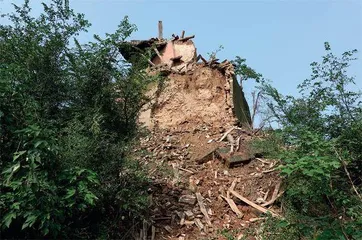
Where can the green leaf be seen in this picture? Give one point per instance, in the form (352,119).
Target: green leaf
(287,171)
(89,198)
(15,206)
(45,231)
(9,218)
(18,154)
(8,170)
(16,167)
(335,164)
(30,220)
(25,225)
(282,224)
(70,193)
(79,172)
(38,143)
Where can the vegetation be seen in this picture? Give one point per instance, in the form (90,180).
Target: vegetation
(68,114)
(319,145)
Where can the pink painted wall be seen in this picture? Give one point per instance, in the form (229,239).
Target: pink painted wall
(166,53)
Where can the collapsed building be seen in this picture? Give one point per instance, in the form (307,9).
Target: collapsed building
(197,90)
(202,168)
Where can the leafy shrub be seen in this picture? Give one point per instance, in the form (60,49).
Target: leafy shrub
(37,192)
(321,151)
(68,114)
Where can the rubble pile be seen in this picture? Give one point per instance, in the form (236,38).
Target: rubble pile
(192,194)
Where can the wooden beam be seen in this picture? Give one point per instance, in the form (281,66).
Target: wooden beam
(202,58)
(227,132)
(233,206)
(145,228)
(203,209)
(148,60)
(160,30)
(275,195)
(250,203)
(158,53)
(153,234)
(176,58)
(186,38)
(151,63)
(183,34)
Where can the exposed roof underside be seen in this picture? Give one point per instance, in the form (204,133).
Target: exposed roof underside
(128,49)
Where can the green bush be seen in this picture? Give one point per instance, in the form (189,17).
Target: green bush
(68,114)
(321,151)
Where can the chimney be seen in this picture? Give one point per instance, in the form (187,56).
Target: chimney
(160,30)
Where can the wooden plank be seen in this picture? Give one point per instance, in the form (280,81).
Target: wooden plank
(168,228)
(186,170)
(153,234)
(202,58)
(145,228)
(250,203)
(266,195)
(203,209)
(148,60)
(213,61)
(186,38)
(233,206)
(161,218)
(227,132)
(176,58)
(274,196)
(276,190)
(231,140)
(270,170)
(199,224)
(273,199)
(233,184)
(158,53)
(238,143)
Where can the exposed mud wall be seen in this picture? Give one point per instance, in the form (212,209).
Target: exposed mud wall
(185,49)
(197,97)
(176,48)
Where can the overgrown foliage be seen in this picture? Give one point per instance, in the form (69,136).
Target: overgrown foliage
(244,71)
(320,147)
(68,114)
